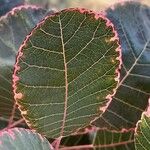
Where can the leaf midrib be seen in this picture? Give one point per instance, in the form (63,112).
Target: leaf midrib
(66,80)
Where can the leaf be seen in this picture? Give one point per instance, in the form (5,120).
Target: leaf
(19,138)
(43,3)
(102,140)
(66,68)
(132,21)
(13,29)
(142,134)
(7,5)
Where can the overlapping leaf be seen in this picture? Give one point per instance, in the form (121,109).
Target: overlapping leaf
(18,138)
(67,69)
(13,29)
(142,135)
(100,140)
(132,21)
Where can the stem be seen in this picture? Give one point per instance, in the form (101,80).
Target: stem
(16,123)
(56,143)
(77,147)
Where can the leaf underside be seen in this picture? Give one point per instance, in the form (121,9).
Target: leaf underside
(142,135)
(66,71)
(19,138)
(132,21)
(13,29)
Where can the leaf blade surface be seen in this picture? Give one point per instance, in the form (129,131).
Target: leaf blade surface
(71,58)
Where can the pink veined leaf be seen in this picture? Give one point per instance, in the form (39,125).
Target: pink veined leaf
(67,71)
(14,27)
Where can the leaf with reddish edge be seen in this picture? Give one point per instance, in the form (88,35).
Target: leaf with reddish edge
(67,71)
(142,132)
(100,139)
(132,21)
(19,138)
(14,27)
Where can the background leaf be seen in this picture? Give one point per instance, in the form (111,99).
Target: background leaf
(67,70)
(43,3)
(100,140)
(7,5)
(132,21)
(13,29)
(19,138)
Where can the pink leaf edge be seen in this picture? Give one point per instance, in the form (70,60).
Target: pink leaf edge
(19,96)
(94,129)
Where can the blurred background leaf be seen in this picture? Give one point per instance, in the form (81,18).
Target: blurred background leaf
(132,21)
(13,29)
(7,5)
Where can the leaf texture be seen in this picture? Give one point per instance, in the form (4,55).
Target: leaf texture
(132,21)
(65,70)
(19,138)
(142,135)
(13,29)
(100,140)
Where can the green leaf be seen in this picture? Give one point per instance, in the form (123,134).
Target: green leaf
(100,140)
(13,29)
(132,21)
(66,68)
(22,139)
(142,134)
